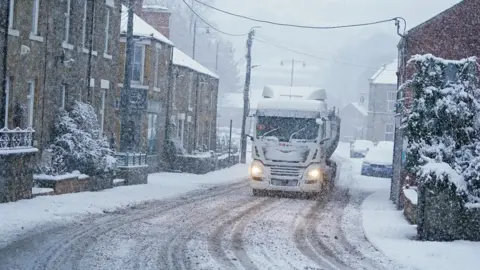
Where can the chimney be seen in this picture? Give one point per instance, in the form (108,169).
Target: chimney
(158,16)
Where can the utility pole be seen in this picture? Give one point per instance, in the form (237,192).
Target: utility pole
(3,93)
(126,122)
(216,58)
(90,49)
(246,91)
(194,37)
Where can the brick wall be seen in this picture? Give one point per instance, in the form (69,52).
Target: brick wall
(450,35)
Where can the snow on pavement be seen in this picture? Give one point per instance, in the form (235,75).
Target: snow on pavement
(390,233)
(386,228)
(17,218)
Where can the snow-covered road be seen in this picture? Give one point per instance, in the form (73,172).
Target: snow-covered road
(224,227)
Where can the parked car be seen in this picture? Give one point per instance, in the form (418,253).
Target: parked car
(359,148)
(378,161)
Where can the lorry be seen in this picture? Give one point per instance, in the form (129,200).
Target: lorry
(294,138)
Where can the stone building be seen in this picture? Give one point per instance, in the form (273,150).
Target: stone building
(58,51)
(149,86)
(50,64)
(382,103)
(194,89)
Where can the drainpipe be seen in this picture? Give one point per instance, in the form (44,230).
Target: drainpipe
(3,93)
(195,118)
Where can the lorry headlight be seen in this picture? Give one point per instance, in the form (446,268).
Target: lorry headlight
(256,170)
(313,174)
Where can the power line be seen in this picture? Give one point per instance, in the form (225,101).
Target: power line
(296,25)
(210,25)
(314,56)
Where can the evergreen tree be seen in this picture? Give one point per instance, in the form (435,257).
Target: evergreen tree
(78,143)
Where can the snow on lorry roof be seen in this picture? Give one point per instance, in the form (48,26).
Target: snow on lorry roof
(141,28)
(295,92)
(181,59)
(292,104)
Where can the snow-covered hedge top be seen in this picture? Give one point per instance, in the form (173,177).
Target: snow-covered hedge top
(431,57)
(442,168)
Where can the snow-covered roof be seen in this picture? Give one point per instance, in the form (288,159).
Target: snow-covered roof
(182,59)
(295,92)
(360,108)
(155,7)
(141,28)
(387,74)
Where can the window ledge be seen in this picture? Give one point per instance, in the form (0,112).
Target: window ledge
(107,56)
(157,89)
(13,32)
(85,50)
(35,37)
(67,46)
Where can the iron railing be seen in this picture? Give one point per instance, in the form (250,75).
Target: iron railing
(16,138)
(131,159)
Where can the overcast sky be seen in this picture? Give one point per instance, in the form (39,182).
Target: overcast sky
(323,43)
(318,12)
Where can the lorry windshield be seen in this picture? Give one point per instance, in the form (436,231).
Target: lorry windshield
(284,128)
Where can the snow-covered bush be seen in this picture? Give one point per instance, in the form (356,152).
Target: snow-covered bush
(442,125)
(78,143)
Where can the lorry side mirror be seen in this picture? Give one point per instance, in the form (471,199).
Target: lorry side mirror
(250,137)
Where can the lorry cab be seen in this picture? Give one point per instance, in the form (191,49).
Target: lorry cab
(292,142)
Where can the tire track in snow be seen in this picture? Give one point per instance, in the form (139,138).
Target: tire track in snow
(177,258)
(65,246)
(215,239)
(304,233)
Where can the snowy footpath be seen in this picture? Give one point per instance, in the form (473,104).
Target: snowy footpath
(21,217)
(388,230)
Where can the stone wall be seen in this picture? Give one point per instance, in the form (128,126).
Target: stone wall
(133,175)
(16,175)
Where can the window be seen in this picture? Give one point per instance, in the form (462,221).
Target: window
(137,65)
(11,15)
(31,99)
(107,30)
(35,12)
(180,131)
(391,101)
(84,24)
(67,22)
(157,62)
(152,132)
(389,131)
(190,90)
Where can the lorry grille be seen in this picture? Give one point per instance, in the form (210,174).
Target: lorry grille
(284,171)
